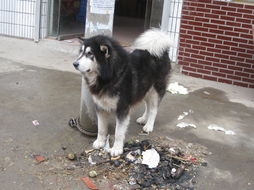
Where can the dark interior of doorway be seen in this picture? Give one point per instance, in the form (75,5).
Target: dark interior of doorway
(129,20)
(72,18)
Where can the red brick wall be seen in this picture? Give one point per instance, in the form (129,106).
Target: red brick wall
(216,41)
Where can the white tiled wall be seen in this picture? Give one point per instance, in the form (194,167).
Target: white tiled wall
(17,18)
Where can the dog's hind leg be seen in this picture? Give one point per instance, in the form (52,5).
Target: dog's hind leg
(153,103)
(142,120)
(121,128)
(103,119)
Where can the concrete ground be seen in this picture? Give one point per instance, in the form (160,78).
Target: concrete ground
(37,82)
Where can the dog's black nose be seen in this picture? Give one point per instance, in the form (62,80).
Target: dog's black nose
(75,64)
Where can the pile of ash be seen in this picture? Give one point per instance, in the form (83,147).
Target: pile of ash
(147,164)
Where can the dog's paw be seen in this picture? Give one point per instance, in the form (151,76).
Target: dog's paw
(98,144)
(148,128)
(116,151)
(141,120)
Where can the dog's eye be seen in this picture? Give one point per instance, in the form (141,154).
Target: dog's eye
(89,54)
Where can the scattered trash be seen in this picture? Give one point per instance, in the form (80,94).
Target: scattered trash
(90,160)
(132,181)
(72,156)
(175,88)
(172,150)
(229,132)
(184,125)
(161,163)
(115,158)
(194,159)
(89,151)
(180,117)
(151,158)
(184,114)
(178,172)
(116,163)
(35,122)
(207,93)
(218,128)
(92,173)
(130,157)
(89,183)
(173,171)
(145,145)
(73,122)
(40,158)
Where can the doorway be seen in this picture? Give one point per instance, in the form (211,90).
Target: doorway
(133,17)
(129,20)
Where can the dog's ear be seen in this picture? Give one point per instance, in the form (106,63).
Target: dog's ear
(105,49)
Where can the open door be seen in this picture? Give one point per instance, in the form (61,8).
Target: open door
(67,18)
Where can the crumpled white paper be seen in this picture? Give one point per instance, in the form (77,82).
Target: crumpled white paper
(218,128)
(184,114)
(180,117)
(175,88)
(35,122)
(184,125)
(151,158)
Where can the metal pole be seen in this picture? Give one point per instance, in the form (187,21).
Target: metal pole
(87,122)
(165,15)
(37,21)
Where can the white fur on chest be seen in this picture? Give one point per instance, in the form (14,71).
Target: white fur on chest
(106,103)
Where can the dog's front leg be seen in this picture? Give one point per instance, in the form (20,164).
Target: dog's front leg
(121,128)
(103,119)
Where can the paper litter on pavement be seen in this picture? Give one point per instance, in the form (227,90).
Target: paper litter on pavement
(175,88)
(35,122)
(207,93)
(218,128)
(185,113)
(184,125)
(180,117)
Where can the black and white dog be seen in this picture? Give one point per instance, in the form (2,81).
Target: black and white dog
(118,80)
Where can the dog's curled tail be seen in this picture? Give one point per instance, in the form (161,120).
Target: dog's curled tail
(154,41)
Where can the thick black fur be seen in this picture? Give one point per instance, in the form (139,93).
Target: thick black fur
(127,75)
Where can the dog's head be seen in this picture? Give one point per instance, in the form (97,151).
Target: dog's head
(94,60)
